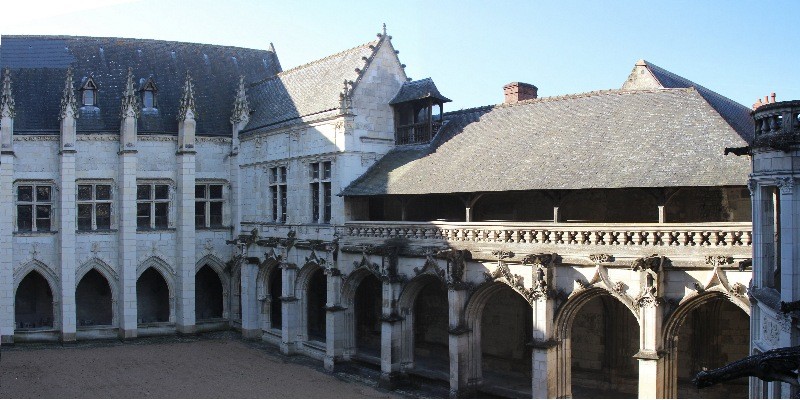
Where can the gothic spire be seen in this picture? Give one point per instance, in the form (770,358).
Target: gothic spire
(6,98)
(130,102)
(68,102)
(187,100)
(241,109)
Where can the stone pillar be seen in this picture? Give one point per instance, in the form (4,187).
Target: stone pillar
(459,346)
(6,212)
(126,182)
(185,256)
(390,336)
(67,212)
(662,214)
(290,309)
(335,335)
(651,362)
(250,303)
(543,354)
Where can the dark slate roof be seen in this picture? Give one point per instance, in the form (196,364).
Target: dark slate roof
(309,89)
(736,114)
(606,139)
(39,63)
(416,90)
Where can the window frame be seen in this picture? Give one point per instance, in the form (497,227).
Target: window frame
(35,203)
(151,89)
(153,201)
(89,86)
(277,176)
(320,175)
(206,201)
(94,202)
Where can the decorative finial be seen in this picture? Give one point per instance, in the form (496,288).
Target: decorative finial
(130,102)
(69,104)
(187,100)
(241,109)
(6,98)
(384,29)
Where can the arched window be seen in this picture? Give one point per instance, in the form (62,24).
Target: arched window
(149,91)
(89,92)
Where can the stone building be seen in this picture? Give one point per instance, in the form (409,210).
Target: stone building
(579,245)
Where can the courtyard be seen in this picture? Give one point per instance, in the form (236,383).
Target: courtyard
(217,365)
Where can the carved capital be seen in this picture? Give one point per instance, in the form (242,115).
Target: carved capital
(786,184)
(716,261)
(752,185)
(601,258)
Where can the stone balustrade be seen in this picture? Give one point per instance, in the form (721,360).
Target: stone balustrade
(781,119)
(722,234)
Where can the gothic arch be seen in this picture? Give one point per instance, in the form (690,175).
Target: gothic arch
(405,304)
(673,324)
(52,281)
(265,271)
(219,267)
(166,272)
(111,278)
(565,316)
(301,291)
(349,288)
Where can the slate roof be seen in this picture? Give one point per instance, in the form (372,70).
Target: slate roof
(306,90)
(416,90)
(736,114)
(605,139)
(39,63)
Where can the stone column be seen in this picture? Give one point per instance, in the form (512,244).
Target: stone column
(6,212)
(290,309)
(126,183)
(335,335)
(651,362)
(250,303)
(459,346)
(390,336)
(67,211)
(543,354)
(185,256)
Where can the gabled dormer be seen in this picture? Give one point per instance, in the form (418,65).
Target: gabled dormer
(149,92)
(88,93)
(417,111)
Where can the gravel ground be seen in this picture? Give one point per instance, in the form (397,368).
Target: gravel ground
(218,365)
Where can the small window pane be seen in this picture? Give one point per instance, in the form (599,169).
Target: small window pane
(273,175)
(200,191)
(315,202)
(215,191)
(103,217)
(148,99)
(143,192)
(25,193)
(84,192)
(274,193)
(200,214)
(42,193)
(326,189)
(162,191)
(84,217)
(103,192)
(42,218)
(282,172)
(143,215)
(215,213)
(25,218)
(88,97)
(162,218)
(315,171)
(326,172)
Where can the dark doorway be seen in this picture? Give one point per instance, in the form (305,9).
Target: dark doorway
(207,294)
(275,293)
(368,303)
(506,330)
(152,297)
(317,297)
(33,303)
(430,327)
(93,300)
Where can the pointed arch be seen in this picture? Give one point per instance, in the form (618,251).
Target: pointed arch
(52,280)
(408,307)
(303,293)
(216,264)
(167,274)
(349,290)
(111,277)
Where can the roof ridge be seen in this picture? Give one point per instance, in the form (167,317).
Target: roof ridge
(62,37)
(310,63)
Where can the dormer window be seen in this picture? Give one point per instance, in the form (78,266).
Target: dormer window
(149,91)
(89,92)
(417,112)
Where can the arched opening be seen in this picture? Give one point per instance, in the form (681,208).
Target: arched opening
(430,327)
(315,304)
(208,298)
(152,297)
(33,303)
(506,329)
(367,303)
(275,290)
(604,337)
(713,334)
(93,300)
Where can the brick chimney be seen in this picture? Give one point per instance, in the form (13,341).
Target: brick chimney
(518,91)
(767,100)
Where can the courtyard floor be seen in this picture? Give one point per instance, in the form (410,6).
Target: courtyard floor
(216,365)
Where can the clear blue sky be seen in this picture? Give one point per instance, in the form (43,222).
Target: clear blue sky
(741,49)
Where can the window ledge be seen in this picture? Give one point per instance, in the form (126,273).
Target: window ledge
(97,231)
(214,228)
(156,230)
(37,233)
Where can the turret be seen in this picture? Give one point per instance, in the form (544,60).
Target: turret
(186,117)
